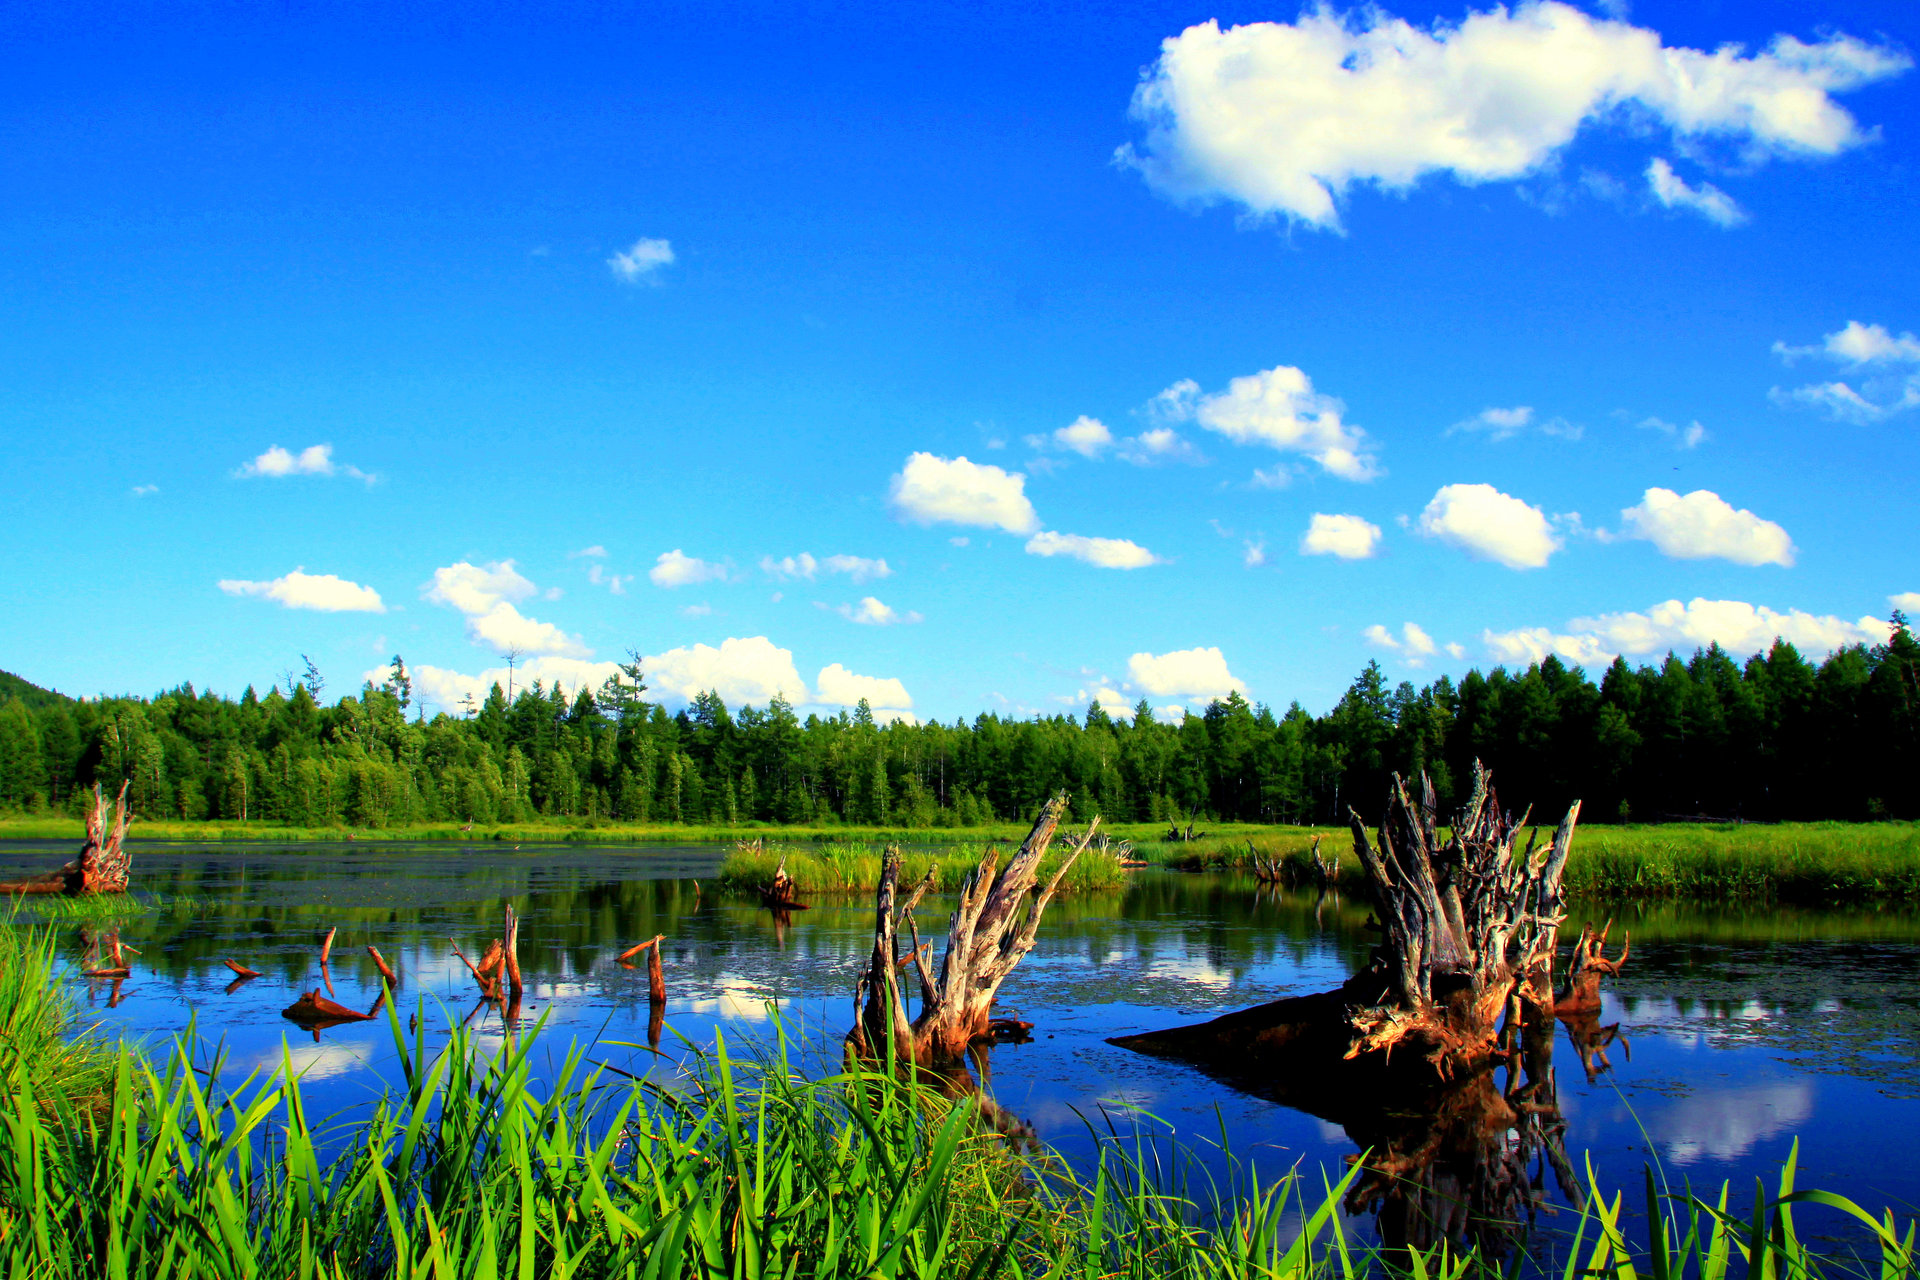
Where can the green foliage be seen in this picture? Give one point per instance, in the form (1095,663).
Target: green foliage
(45,1054)
(1777,738)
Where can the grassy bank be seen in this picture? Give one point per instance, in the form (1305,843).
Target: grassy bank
(854,868)
(736,1168)
(46,1052)
(1815,863)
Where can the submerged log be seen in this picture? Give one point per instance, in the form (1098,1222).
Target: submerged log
(986,937)
(1464,922)
(103,862)
(315,1012)
(241,969)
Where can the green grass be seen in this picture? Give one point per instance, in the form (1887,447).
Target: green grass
(1813,862)
(45,1050)
(854,868)
(738,1167)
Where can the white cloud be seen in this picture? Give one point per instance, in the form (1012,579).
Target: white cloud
(1736,626)
(931,489)
(1490,525)
(642,262)
(1504,424)
(675,568)
(959,541)
(1189,673)
(302,590)
(1158,444)
(1279,408)
(1707,200)
(1106,553)
(1412,644)
(1703,525)
(314,460)
(596,551)
(1284,118)
(447,690)
(1907,602)
(1085,436)
(486,594)
(1881,394)
(871,613)
(1858,344)
(1253,552)
(475,589)
(1348,537)
(1687,437)
(841,687)
(142,490)
(740,670)
(701,610)
(859,568)
(598,576)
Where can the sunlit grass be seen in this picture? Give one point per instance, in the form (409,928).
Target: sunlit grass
(854,868)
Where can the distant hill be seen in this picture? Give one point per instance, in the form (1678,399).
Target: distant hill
(12,686)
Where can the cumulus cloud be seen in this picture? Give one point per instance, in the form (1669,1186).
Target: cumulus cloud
(676,568)
(1105,553)
(1504,424)
(1489,525)
(1184,673)
(324,592)
(841,687)
(1687,437)
(1907,602)
(1703,525)
(1088,437)
(1284,118)
(314,460)
(752,669)
(1348,537)
(1413,644)
(596,551)
(487,594)
(1279,408)
(1707,200)
(871,613)
(934,490)
(1736,626)
(1885,387)
(641,263)
(859,568)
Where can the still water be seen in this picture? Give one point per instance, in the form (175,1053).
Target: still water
(1730,1033)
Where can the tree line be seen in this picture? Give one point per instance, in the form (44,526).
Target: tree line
(1778,737)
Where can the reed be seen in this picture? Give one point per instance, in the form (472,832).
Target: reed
(44,1048)
(854,868)
(741,1167)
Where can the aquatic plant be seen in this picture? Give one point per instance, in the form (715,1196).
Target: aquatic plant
(854,868)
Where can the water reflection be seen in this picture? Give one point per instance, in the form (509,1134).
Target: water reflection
(1730,1033)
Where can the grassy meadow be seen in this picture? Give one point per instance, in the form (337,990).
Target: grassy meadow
(853,867)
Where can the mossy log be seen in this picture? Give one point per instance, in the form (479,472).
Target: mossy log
(987,936)
(1468,927)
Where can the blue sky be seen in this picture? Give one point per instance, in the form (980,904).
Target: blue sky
(1272,340)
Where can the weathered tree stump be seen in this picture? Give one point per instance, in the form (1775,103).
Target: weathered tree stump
(315,1012)
(782,894)
(103,862)
(1465,922)
(1588,966)
(986,937)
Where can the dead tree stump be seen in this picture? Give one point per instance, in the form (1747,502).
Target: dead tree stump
(1465,922)
(986,937)
(103,863)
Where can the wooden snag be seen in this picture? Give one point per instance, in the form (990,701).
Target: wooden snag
(1588,966)
(782,894)
(386,973)
(512,952)
(656,974)
(1464,922)
(314,1011)
(241,969)
(987,936)
(103,863)
(326,945)
(638,947)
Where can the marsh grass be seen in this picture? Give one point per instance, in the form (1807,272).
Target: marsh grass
(1813,863)
(45,1049)
(854,868)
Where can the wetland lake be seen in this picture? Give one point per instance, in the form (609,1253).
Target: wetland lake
(1732,1031)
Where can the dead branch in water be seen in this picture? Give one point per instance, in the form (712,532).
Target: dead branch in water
(241,969)
(387,974)
(986,937)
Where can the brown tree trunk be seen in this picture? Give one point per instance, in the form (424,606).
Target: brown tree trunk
(986,937)
(1463,922)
